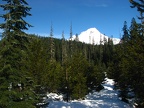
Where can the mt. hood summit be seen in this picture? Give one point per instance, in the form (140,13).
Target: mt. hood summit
(93,36)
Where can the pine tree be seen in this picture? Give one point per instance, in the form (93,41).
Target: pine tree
(77,38)
(15,12)
(64,53)
(125,37)
(71,42)
(54,67)
(37,61)
(52,44)
(77,79)
(136,58)
(16,89)
(64,79)
(64,57)
(128,63)
(140,7)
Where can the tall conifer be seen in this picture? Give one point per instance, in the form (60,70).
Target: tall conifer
(16,88)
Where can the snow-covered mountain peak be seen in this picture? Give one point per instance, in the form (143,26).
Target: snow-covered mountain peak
(92,30)
(93,36)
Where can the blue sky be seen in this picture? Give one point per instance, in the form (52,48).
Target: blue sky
(107,16)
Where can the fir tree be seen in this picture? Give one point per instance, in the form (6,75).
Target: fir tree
(16,11)
(77,38)
(136,58)
(16,88)
(52,48)
(71,43)
(77,79)
(140,7)
(125,37)
(64,53)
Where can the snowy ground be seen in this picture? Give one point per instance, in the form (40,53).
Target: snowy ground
(106,98)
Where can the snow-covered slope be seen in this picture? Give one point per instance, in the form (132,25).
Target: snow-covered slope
(93,36)
(106,98)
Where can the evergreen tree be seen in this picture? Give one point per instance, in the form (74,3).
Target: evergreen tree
(71,43)
(64,78)
(100,50)
(64,53)
(136,58)
(16,89)
(77,79)
(140,7)
(52,48)
(125,37)
(77,38)
(127,66)
(15,10)
(37,61)
(53,76)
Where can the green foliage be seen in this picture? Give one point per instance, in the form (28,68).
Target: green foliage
(16,11)
(76,76)
(36,61)
(140,7)
(32,65)
(95,76)
(125,37)
(127,66)
(14,86)
(16,89)
(66,73)
(53,76)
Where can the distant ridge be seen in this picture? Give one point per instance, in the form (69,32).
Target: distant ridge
(93,36)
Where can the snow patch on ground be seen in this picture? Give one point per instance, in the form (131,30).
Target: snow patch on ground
(106,98)
(54,96)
